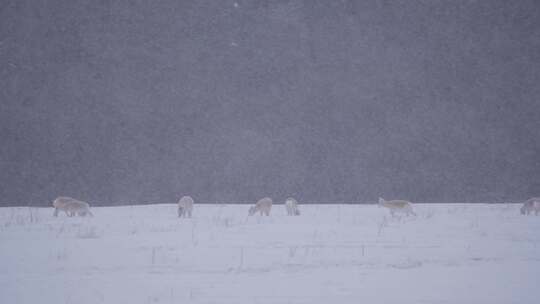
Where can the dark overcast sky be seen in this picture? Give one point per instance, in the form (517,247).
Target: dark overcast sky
(145,101)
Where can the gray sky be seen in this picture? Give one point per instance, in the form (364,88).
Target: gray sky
(145,101)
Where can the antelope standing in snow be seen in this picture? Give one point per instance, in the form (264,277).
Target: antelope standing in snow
(71,206)
(185,206)
(531,205)
(263,206)
(397,206)
(291,205)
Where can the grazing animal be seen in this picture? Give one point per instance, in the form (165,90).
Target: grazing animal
(291,205)
(185,206)
(530,205)
(71,206)
(397,206)
(263,206)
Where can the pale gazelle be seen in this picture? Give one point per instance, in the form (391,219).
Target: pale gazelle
(263,206)
(185,206)
(397,206)
(291,205)
(71,206)
(531,205)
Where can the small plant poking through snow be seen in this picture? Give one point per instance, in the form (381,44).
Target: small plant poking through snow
(62,255)
(226,222)
(33,214)
(429,214)
(383,224)
(406,264)
(133,231)
(87,233)
(292,251)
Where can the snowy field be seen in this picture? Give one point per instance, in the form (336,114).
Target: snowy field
(330,254)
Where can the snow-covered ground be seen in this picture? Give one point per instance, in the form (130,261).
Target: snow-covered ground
(330,254)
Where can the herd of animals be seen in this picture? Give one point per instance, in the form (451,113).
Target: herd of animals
(73,207)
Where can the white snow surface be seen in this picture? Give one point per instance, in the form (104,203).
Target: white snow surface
(449,253)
